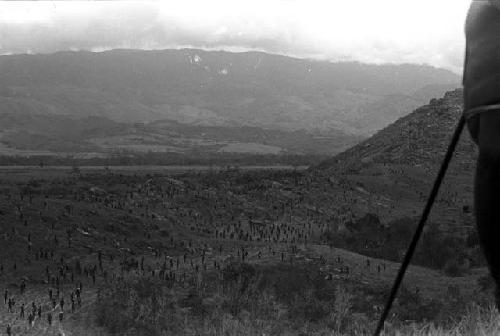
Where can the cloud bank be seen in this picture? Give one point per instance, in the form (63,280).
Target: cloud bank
(385,31)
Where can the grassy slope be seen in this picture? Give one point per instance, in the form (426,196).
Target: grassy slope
(108,226)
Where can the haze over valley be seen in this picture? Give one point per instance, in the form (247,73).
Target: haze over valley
(90,104)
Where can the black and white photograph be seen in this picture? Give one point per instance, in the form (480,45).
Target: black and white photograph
(250,168)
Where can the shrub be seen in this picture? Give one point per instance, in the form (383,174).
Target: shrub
(340,311)
(307,307)
(141,305)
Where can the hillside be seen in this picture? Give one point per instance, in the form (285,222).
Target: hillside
(379,188)
(418,139)
(391,173)
(234,253)
(326,106)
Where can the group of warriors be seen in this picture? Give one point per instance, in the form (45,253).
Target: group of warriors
(222,227)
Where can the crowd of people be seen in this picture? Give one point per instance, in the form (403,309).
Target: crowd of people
(208,225)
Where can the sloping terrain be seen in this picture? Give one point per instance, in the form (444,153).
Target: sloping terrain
(390,176)
(419,139)
(399,163)
(184,234)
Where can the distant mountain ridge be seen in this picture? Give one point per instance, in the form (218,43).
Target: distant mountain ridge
(249,89)
(336,103)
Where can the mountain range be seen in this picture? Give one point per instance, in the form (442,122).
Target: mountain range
(141,100)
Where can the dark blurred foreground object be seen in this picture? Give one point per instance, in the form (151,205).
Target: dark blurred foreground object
(482,109)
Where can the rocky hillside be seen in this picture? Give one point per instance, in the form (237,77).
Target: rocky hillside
(418,139)
(391,174)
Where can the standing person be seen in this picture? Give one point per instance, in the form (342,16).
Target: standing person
(481,82)
(23,286)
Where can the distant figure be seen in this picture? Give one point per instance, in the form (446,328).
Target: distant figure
(481,81)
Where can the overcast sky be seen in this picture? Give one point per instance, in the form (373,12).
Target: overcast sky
(375,31)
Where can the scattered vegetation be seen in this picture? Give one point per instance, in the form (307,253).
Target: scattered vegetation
(436,250)
(278,300)
(246,301)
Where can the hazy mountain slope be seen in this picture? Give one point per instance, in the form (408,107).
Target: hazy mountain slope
(51,132)
(218,88)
